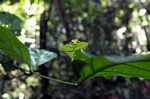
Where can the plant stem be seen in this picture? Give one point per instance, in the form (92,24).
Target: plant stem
(59,81)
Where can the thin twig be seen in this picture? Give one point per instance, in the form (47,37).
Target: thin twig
(59,81)
(47,77)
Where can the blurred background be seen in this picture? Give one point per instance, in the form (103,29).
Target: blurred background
(120,27)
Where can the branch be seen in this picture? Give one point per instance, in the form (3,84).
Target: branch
(59,81)
(27,73)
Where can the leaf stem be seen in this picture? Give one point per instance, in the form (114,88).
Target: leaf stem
(47,77)
(59,81)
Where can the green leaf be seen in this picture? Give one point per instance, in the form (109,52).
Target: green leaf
(74,46)
(40,56)
(11,21)
(10,45)
(108,66)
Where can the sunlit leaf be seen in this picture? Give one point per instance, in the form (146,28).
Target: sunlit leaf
(40,56)
(74,46)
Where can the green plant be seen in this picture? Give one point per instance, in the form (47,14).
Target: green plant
(108,66)
(13,48)
(100,65)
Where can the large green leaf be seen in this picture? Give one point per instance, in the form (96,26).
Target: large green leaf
(13,47)
(11,21)
(108,66)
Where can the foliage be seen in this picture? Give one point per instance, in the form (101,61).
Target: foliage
(13,47)
(74,46)
(40,56)
(108,66)
(18,51)
(11,21)
(111,27)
